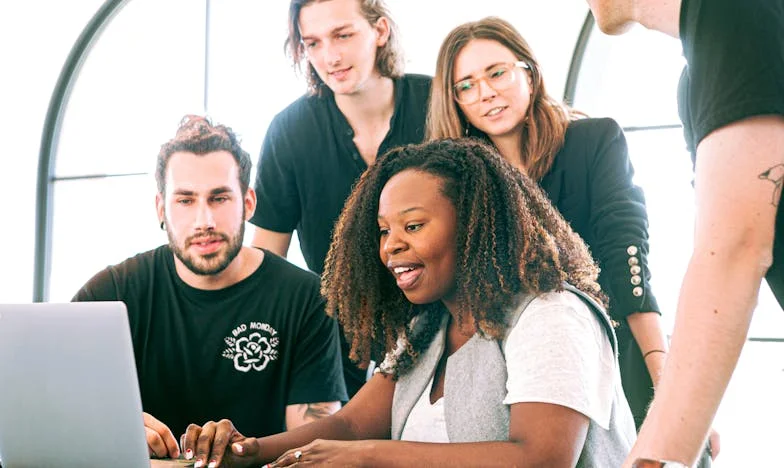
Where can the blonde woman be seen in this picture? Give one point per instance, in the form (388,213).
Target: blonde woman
(489,85)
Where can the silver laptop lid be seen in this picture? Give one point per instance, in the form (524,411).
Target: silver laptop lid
(69,395)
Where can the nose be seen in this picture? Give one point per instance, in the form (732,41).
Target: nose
(204,217)
(393,244)
(486,92)
(332,53)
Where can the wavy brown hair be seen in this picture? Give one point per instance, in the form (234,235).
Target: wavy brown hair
(510,240)
(546,117)
(389,57)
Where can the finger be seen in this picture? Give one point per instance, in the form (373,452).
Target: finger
(155,444)
(204,444)
(165,435)
(189,439)
(223,434)
(246,448)
(289,458)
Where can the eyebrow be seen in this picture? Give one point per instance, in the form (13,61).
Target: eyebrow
(486,69)
(407,210)
(215,191)
(331,32)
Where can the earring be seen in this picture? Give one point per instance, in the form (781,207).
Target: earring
(163,226)
(468,125)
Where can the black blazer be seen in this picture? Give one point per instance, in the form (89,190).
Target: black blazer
(591,185)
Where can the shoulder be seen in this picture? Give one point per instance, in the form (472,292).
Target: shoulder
(417,84)
(560,314)
(726,20)
(558,352)
(299,115)
(417,79)
(561,305)
(594,129)
(141,262)
(112,282)
(586,141)
(288,274)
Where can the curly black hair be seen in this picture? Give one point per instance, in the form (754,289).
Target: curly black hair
(510,241)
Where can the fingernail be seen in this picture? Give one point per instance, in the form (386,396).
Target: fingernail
(212,464)
(188,454)
(198,464)
(239,449)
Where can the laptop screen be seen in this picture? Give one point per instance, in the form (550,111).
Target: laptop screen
(70,395)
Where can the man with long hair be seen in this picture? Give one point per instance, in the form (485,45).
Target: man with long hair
(359,104)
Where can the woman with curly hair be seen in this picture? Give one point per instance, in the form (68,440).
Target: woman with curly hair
(489,85)
(486,303)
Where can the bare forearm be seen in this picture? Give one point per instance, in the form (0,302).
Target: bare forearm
(333,427)
(393,454)
(648,333)
(305,413)
(717,299)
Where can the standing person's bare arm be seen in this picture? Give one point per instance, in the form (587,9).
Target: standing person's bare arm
(276,242)
(734,230)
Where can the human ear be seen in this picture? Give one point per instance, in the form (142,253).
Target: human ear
(382,31)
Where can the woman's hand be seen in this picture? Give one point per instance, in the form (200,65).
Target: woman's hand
(327,452)
(207,445)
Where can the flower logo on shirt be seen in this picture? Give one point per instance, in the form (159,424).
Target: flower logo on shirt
(254,351)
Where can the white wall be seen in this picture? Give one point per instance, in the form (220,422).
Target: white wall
(35,38)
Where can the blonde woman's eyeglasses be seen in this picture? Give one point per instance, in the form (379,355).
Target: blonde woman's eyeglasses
(498,77)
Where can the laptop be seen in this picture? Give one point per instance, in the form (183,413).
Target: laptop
(69,395)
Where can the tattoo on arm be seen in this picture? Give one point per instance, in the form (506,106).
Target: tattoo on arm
(313,411)
(775,174)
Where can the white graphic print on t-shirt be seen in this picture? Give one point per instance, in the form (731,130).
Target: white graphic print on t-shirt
(252,346)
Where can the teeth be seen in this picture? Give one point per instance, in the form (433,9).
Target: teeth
(399,270)
(494,111)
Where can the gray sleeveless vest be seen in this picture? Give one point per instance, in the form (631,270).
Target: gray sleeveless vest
(475,387)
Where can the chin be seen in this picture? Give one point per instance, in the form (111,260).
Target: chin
(609,19)
(615,29)
(418,299)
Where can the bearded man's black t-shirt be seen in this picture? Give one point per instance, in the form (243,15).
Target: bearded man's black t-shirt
(243,353)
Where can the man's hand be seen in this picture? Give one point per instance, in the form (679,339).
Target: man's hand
(160,440)
(209,443)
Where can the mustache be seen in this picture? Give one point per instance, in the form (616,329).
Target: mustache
(206,237)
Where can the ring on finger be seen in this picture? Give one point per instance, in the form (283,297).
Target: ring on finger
(298,454)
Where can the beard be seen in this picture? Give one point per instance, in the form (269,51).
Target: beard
(210,264)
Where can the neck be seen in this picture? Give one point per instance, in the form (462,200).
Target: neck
(374,103)
(458,334)
(660,15)
(510,146)
(243,265)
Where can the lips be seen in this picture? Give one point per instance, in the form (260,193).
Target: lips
(341,74)
(495,111)
(406,274)
(206,246)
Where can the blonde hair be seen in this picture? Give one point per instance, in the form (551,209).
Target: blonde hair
(547,118)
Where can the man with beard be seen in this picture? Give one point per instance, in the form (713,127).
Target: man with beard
(220,330)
